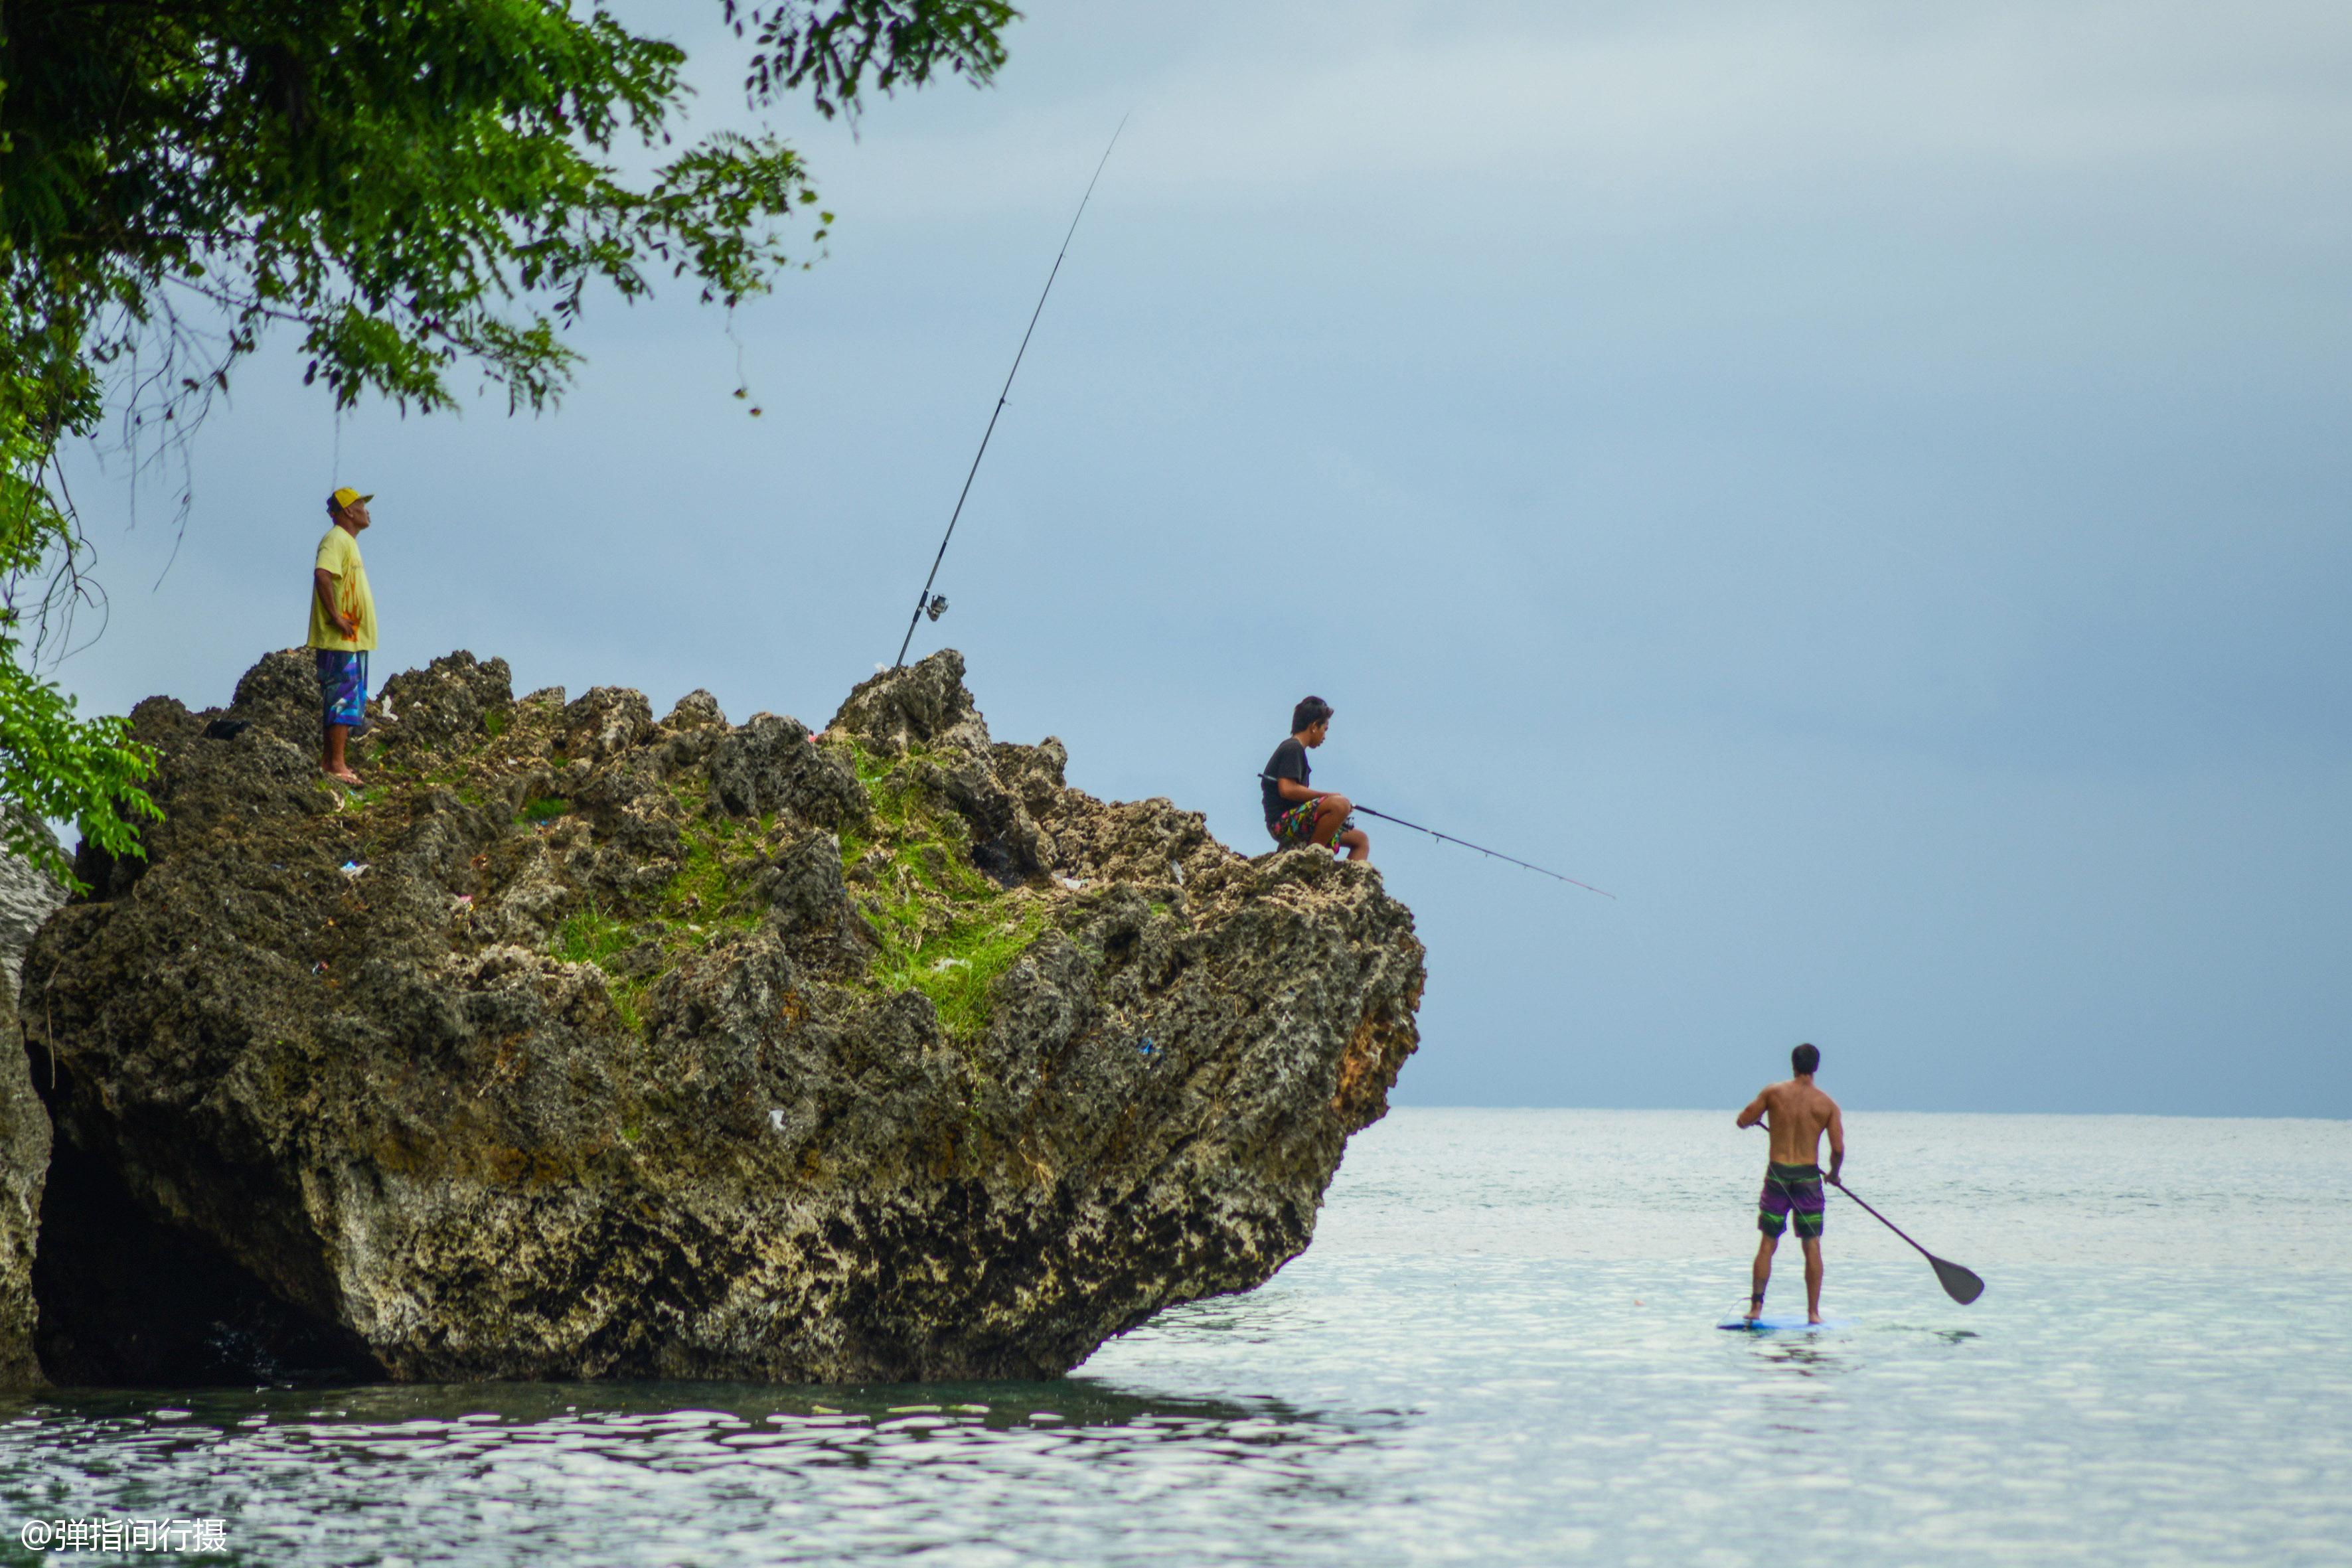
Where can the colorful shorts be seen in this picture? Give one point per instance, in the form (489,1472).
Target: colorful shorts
(342,687)
(1295,826)
(1791,1190)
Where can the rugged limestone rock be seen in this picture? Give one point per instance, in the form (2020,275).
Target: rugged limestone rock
(27,897)
(24,1163)
(582,1043)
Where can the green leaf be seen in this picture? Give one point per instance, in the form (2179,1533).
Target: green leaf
(420,192)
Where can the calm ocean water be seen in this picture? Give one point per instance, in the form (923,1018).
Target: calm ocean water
(1500,1350)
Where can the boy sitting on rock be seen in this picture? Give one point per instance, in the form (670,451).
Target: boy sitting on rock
(1295,814)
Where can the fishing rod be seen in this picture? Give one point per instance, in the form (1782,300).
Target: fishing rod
(924,602)
(1491,853)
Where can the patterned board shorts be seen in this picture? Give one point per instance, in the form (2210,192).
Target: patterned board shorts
(1791,1190)
(1297,825)
(342,688)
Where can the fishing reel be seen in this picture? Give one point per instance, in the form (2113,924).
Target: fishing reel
(937,608)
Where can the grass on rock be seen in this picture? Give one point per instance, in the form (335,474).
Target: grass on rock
(958,967)
(947,930)
(592,936)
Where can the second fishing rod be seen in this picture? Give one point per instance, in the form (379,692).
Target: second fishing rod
(925,602)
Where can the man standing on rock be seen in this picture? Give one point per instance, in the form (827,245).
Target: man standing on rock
(1294,813)
(342,627)
(1796,1114)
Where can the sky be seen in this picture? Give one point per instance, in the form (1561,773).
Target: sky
(1866,486)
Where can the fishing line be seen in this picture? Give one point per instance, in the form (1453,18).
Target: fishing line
(743,381)
(925,603)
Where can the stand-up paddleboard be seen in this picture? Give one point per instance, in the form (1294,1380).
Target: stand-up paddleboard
(1771,1325)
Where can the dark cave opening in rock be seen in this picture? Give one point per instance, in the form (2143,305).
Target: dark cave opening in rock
(126,1299)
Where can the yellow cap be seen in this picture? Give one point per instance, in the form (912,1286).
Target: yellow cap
(343,497)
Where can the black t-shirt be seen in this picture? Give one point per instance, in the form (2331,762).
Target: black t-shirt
(1289,762)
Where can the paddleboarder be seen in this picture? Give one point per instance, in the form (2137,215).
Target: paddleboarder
(1797,1114)
(1295,814)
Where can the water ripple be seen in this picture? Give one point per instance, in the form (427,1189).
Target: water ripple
(1488,1357)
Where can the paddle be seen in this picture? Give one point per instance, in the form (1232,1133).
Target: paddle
(1958,1283)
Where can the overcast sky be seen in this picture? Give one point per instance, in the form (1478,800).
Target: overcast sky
(1867,487)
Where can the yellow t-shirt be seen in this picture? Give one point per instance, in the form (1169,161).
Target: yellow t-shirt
(339,553)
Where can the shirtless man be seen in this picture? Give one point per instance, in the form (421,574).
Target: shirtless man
(1797,1114)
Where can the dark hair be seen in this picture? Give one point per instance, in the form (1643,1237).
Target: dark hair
(1805,1058)
(1310,711)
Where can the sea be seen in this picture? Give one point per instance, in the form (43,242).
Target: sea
(1501,1348)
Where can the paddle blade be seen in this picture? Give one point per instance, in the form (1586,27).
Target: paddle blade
(1959,1284)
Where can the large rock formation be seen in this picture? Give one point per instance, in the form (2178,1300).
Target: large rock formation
(27,897)
(24,1164)
(583,1045)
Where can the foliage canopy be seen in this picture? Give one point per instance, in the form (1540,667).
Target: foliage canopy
(418,187)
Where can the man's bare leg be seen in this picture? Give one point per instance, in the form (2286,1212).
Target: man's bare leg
(1765,1248)
(334,766)
(1812,1277)
(1330,817)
